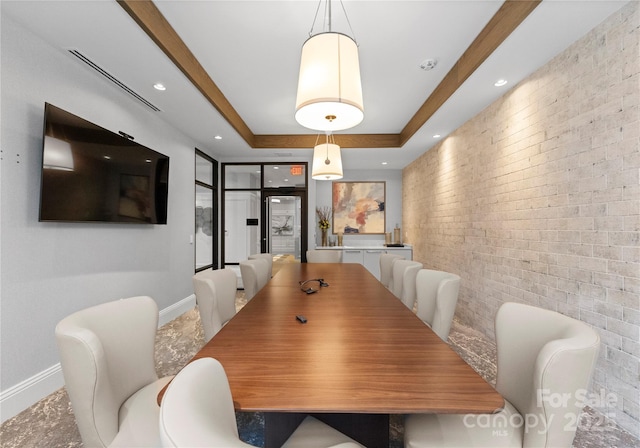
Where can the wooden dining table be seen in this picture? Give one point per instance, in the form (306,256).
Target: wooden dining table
(360,356)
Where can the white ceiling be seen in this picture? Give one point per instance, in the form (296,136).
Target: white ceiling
(251,50)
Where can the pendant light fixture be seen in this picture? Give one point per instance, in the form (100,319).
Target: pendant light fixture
(327,163)
(329,87)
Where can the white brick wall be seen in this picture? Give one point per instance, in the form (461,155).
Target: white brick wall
(537,200)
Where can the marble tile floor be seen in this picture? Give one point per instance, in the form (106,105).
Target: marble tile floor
(50,422)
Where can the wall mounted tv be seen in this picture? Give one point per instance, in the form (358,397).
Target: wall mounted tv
(90,174)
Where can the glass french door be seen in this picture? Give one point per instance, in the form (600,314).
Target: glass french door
(206,212)
(284,220)
(264,210)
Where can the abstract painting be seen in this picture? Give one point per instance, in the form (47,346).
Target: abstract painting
(282,225)
(358,207)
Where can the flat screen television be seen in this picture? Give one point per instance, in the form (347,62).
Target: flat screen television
(90,174)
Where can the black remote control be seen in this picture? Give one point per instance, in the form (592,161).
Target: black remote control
(301,319)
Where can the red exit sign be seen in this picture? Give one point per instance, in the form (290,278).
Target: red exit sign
(296,170)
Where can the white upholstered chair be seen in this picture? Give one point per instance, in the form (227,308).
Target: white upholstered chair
(267,257)
(545,363)
(197,408)
(107,358)
(197,411)
(386,268)
(404,274)
(437,296)
(324,256)
(255,274)
(216,298)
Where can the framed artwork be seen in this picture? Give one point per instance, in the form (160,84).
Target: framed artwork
(282,225)
(358,207)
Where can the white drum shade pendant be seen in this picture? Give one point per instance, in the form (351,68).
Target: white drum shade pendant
(327,162)
(329,87)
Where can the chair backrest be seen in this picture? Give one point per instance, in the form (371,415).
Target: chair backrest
(545,363)
(437,296)
(107,354)
(404,274)
(267,257)
(255,274)
(197,408)
(216,298)
(324,256)
(386,268)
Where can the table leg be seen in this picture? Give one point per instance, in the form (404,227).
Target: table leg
(370,430)
(278,426)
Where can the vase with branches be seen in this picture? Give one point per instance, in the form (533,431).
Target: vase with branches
(324,221)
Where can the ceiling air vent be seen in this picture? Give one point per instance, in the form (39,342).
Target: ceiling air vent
(111,78)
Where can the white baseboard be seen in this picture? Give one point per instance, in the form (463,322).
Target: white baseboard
(19,397)
(176,310)
(25,394)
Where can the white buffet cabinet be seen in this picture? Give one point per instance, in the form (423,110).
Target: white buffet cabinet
(369,256)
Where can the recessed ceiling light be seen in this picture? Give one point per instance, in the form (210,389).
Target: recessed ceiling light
(148,160)
(217,137)
(286,180)
(107,157)
(500,82)
(159,86)
(276,167)
(384,163)
(436,136)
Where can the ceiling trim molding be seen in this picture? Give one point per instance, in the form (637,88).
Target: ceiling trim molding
(151,20)
(510,15)
(272,141)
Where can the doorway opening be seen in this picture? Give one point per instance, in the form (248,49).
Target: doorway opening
(264,211)
(284,235)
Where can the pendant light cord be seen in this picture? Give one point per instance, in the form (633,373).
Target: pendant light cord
(327,13)
(314,19)
(327,161)
(349,23)
(329,139)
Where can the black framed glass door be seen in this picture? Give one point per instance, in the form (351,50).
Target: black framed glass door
(264,210)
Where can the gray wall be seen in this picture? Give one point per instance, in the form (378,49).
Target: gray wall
(49,270)
(393,203)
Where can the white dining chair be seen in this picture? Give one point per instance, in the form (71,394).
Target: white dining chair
(386,268)
(255,274)
(324,256)
(197,411)
(215,292)
(107,359)
(404,274)
(436,299)
(545,363)
(197,408)
(268,257)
